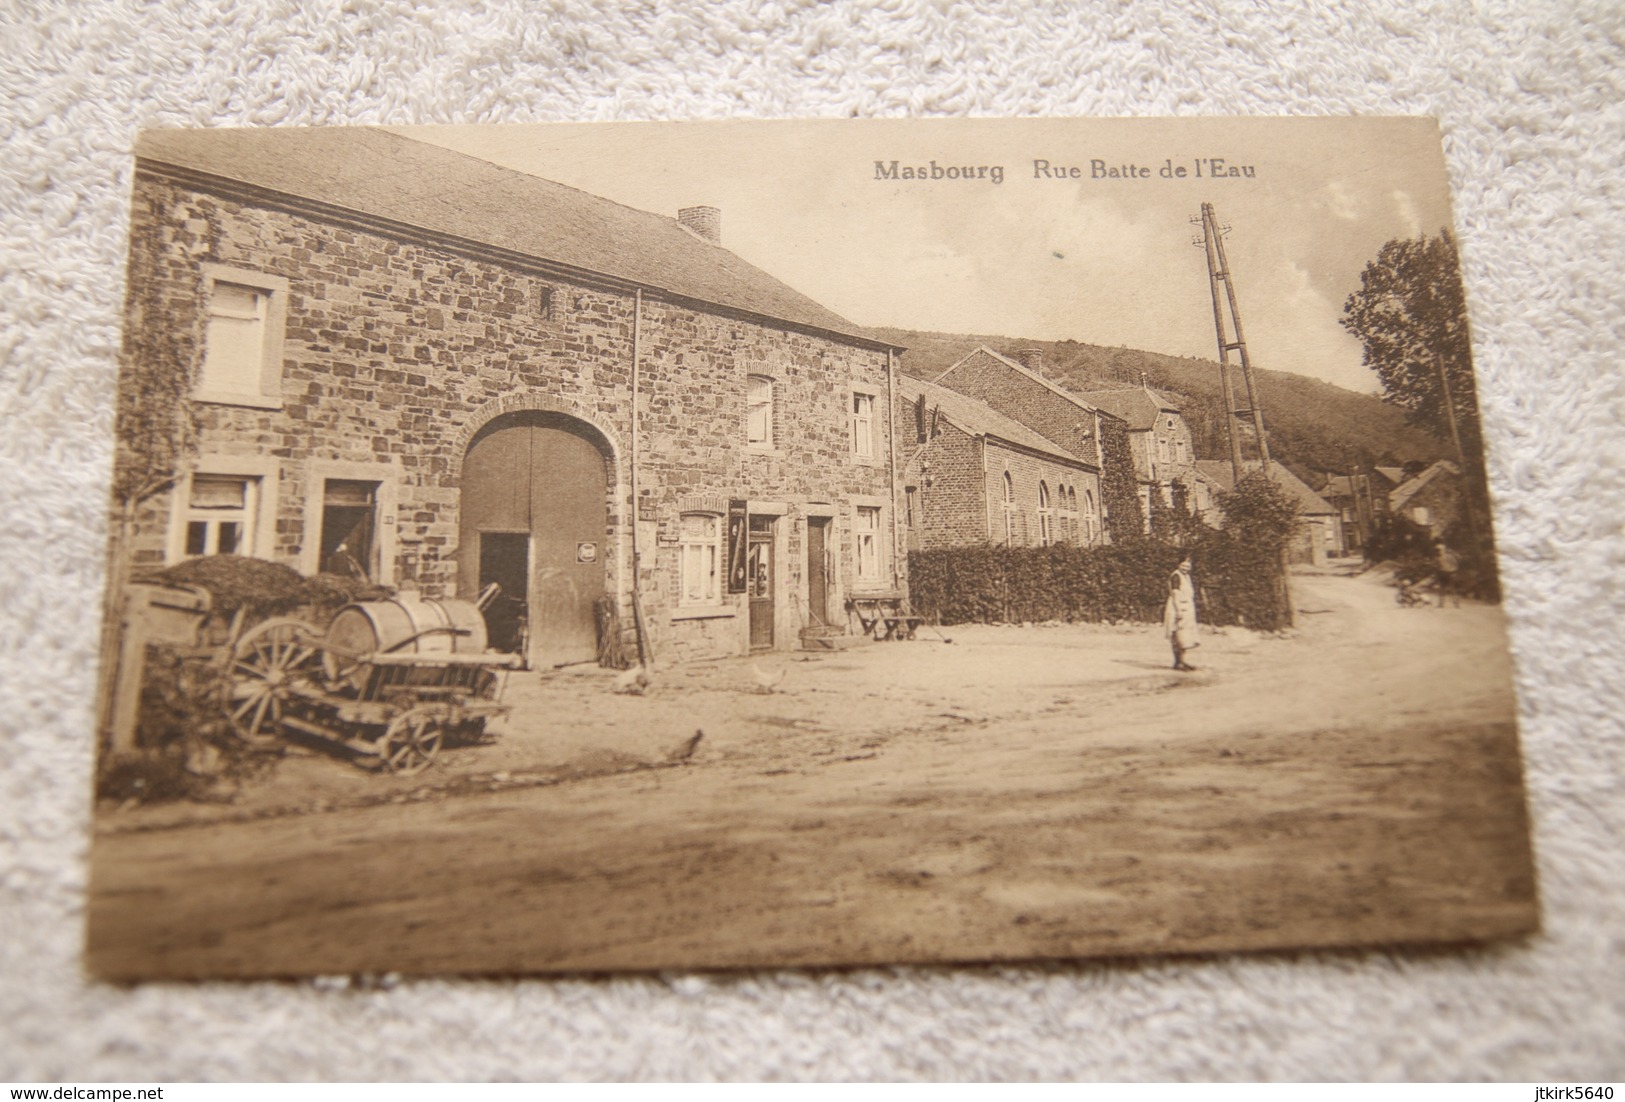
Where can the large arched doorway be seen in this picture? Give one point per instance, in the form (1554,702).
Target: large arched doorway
(534,518)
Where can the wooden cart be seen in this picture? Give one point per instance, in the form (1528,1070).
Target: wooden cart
(425,682)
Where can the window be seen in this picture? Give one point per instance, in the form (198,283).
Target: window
(759,412)
(700,541)
(219,515)
(863,425)
(911,506)
(1009,509)
(1046,516)
(868,543)
(1090,521)
(1162,449)
(242,339)
(349,528)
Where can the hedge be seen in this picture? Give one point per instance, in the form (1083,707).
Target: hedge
(1239,570)
(1127,581)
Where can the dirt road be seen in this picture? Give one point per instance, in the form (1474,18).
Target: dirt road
(1021,792)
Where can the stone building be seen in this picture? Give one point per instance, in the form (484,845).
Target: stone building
(1433,498)
(1018,389)
(972,475)
(442,373)
(1320,525)
(1164,461)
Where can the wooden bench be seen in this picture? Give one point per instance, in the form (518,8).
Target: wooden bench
(885,615)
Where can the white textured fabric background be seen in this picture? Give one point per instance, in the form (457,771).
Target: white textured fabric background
(1530,97)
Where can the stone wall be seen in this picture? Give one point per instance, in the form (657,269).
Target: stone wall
(396,350)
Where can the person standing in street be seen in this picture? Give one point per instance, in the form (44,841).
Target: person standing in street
(1446,564)
(1179,613)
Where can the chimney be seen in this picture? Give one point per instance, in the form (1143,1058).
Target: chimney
(705,221)
(1032,359)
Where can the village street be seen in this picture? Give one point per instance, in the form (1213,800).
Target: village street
(1017,792)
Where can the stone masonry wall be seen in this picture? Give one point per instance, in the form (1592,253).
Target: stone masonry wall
(396,351)
(950,497)
(1021,398)
(1026,472)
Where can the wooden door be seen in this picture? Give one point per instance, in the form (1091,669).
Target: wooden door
(541,474)
(817,571)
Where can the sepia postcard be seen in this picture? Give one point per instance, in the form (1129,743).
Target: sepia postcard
(753,544)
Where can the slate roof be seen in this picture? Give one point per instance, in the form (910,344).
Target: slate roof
(1138,405)
(384,175)
(1403,493)
(982,349)
(1310,503)
(978,418)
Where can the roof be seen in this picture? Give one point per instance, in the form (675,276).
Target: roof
(1337,485)
(383,175)
(1310,503)
(1071,396)
(1395,475)
(1404,492)
(979,418)
(1138,405)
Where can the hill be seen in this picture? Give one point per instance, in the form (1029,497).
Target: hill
(1313,426)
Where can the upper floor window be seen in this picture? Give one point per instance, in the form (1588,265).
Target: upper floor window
(863,425)
(245,313)
(759,412)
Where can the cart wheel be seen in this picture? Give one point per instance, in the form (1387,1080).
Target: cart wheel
(411,741)
(263,665)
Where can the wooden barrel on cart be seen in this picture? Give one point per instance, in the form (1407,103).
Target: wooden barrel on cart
(408,624)
(364,636)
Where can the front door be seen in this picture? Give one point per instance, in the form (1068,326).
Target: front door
(818,571)
(505,562)
(759,582)
(540,474)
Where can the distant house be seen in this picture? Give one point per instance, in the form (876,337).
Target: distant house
(1358,502)
(1160,440)
(1320,532)
(1018,390)
(1432,499)
(973,475)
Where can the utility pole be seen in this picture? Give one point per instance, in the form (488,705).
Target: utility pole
(1218,271)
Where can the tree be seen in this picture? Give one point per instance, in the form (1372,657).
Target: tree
(154,430)
(1410,313)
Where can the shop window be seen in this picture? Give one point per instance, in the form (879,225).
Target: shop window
(868,543)
(699,555)
(759,412)
(219,517)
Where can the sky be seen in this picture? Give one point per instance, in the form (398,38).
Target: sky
(1102,255)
